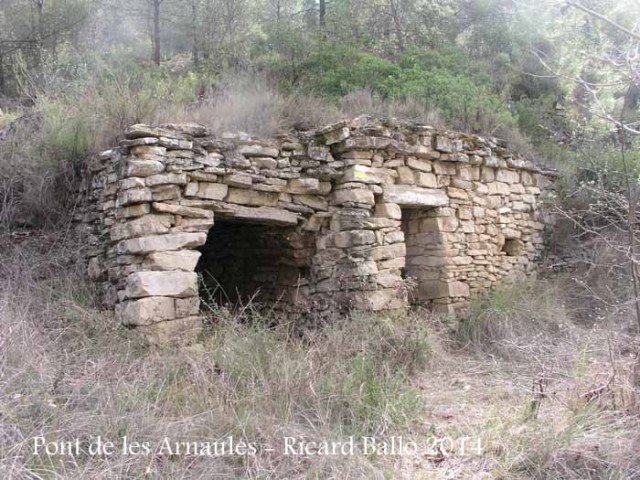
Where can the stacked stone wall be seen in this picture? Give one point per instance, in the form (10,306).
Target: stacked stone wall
(335,219)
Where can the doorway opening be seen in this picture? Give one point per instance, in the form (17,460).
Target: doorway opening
(244,263)
(423,242)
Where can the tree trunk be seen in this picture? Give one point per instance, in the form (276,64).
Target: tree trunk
(156,31)
(631,199)
(322,13)
(194,26)
(398,26)
(2,81)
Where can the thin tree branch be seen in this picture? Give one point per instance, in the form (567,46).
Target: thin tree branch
(604,19)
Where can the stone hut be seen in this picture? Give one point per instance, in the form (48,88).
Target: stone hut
(345,217)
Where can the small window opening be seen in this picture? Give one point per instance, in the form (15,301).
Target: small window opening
(512,247)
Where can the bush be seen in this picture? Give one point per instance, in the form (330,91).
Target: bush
(443,80)
(40,160)
(39,163)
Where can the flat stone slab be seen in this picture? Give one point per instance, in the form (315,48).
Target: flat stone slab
(410,196)
(166,284)
(158,243)
(263,215)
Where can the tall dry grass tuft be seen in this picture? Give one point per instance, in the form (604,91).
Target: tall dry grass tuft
(521,318)
(252,106)
(364,101)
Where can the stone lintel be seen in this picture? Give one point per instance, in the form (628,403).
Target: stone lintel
(409,196)
(262,215)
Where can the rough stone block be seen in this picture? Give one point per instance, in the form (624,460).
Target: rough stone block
(442,144)
(148,150)
(354,195)
(353,238)
(212,159)
(439,224)
(441,168)
(498,188)
(385,252)
(304,186)
(431,289)
(132,196)
(388,210)
(158,243)
(145,225)
(186,307)
(457,193)
(378,300)
(263,215)
(319,153)
(336,136)
(252,197)
(130,211)
(265,162)
(177,332)
(240,180)
(157,283)
(175,143)
(131,182)
(210,191)
(462,184)
(394,237)
(420,165)
(405,176)
(142,168)
(188,128)
(427,180)
(183,211)
(258,151)
(371,175)
(165,192)
(185,260)
(139,141)
(141,130)
(166,178)
(488,174)
(146,311)
(316,202)
(507,176)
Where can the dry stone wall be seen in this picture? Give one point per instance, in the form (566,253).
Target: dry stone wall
(318,221)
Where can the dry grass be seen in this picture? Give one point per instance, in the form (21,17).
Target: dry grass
(66,372)
(546,398)
(523,319)
(549,399)
(6,118)
(364,101)
(251,106)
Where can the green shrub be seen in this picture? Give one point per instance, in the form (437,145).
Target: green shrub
(444,80)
